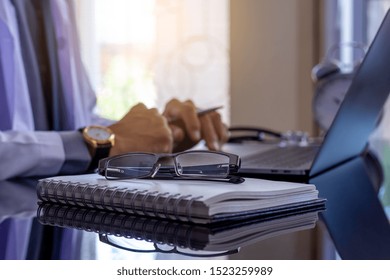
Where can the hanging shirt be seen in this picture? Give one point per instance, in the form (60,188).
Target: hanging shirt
(23,151)
(79,96)
(15,94)
(27,29)
(37,94)
(5,115)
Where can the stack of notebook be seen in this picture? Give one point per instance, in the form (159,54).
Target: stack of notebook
(189,216)
(193,201)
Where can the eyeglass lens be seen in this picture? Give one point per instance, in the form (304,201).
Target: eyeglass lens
(202,164)
(133,166)
(194,164)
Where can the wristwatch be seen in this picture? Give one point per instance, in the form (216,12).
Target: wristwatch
(100,140)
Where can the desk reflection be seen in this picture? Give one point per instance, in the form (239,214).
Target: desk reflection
(151,235)
(18,205)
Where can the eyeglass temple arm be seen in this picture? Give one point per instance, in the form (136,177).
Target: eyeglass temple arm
(101,170)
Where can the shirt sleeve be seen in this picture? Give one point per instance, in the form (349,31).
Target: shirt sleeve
(77,157)
(41,153)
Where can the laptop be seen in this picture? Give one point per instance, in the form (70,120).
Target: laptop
(348,135)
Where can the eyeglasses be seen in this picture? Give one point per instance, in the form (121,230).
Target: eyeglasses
(186,165)
(148,246)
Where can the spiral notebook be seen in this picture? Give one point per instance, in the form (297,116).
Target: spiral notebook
(128,230)
(184,200)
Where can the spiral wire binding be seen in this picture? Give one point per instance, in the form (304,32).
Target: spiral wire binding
(122,200)
(82,197)
(188,207)
(176,206)
(143,202)
(55,195)
(154,203)
(93,197)
(73,190)
(103,198)
(112,196)
(165,204)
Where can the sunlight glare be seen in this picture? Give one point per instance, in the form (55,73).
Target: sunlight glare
(125,21)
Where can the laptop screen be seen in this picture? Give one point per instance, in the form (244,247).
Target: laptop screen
(360,111)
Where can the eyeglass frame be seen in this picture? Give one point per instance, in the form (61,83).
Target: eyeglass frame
(105,239)
(234,165)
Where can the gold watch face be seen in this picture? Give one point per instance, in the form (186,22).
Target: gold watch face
(99,135)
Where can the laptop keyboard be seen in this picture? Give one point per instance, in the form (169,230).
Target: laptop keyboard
(290,157)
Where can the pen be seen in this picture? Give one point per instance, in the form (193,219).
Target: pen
(200,112)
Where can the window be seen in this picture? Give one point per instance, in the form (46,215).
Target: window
(153,50)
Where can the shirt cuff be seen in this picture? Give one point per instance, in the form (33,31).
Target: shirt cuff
(77,157)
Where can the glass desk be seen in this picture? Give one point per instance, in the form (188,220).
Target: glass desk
(356,223)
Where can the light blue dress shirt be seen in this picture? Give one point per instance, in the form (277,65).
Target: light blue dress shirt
(23,151)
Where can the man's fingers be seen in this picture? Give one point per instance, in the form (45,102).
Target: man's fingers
(177,133)
(191,121)
(220,128)
(209,134)
(138,107)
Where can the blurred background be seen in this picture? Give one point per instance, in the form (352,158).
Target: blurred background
(253,56)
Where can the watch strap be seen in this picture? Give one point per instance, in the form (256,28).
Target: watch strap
(100,153)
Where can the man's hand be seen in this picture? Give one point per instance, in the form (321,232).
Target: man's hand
(142,130)
(188,128)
